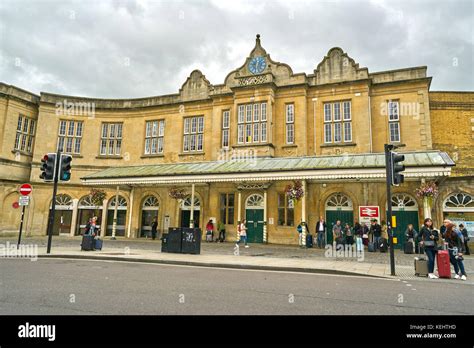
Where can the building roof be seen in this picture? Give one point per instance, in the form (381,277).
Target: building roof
(281,168)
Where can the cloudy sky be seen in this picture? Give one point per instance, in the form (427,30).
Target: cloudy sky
(128,49)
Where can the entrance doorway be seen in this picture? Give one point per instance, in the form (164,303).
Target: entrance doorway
(254,207)
(405,209)
(186,212)
(150,209)
(63,215)
(338,207)
(87,210)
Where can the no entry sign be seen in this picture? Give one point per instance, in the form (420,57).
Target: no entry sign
(25,189)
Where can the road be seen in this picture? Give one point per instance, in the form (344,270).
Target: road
(75,287)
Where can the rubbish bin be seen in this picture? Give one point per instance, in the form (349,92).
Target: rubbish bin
(191,240)
(173,240)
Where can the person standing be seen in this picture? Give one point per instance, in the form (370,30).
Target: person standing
(337,233)
(348,235)
(242,230)
(154,228)
(221,229)
(299,229)
(321,231)
(209,231)
(376,232)
(411,234)
(429,240)
(358,236)
(466,239)
(455,247)
(365,234)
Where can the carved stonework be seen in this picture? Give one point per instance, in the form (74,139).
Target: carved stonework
(253,185)
(338,66)
(253,80)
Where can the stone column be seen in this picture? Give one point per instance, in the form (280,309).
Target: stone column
(426,205)
(114,225)
(265,206)
(103,222)
(129,231)
(191,219)
(239,211)
(303,214)
(75,203)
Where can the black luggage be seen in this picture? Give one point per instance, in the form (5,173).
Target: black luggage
(371,247)
(87,242)
(419,249)
(309,240)
(383,245)
(98,244)
(408,249)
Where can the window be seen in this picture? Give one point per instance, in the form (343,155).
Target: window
(70,136)
(193,134)
(227,208)
(252,123)
(225,128)
(290,123)
(154,135)
(337,122)
(111,139)
(286,214)
(25,134)
(393,121)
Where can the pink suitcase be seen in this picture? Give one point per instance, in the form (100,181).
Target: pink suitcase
(444,267)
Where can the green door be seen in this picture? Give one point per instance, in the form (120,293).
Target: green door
(254,224)
(403,219)
(186,218)
(346,216)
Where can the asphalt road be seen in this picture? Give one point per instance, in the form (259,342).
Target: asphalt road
(59,286)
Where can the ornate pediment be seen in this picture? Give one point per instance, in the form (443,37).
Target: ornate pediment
(337,66)
(196,87)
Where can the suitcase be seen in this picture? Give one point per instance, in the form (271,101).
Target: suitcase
(421,267)
(383,245)
(371,247)
(98,244)
(87,242)
(419,249)
(208,236)
(444,267)
(309,241)
(408,249)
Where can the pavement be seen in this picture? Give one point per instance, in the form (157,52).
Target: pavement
(257,257)
(83,287)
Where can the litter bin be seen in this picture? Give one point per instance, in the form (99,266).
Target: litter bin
(172,241)
(191,240)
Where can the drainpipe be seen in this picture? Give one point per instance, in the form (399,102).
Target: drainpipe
(370,122)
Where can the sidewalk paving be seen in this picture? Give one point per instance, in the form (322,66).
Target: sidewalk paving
(258,257)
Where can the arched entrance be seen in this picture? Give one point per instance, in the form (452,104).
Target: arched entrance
(254,206)
(121,216)
(459,208)
(85,211)
(186,211)
(63,214)
(150,208)
(405,209)
(338,207)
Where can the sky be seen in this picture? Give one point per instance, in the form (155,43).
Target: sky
(133,49)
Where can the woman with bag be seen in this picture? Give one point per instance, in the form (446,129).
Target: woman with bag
(242,229)
(455,247)
(429,239)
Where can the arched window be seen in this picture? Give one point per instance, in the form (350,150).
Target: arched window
(402,201)
(86,203)
(459,202)
(339,201)
(150,203)
(63,202)
(186,204)
(254,201)
(122,203)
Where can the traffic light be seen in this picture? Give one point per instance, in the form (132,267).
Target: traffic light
(48,167)
(65,168)
(396,168)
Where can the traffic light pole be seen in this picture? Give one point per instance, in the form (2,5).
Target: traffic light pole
(388,149)
(53,203)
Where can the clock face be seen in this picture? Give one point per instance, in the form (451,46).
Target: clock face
(257,65)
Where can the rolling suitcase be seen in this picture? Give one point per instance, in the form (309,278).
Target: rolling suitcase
(371,247)
(87,242)
(444,267)
(309,241)
(419,249)
(408,249)
(421,267)
(383,245)
(98,244)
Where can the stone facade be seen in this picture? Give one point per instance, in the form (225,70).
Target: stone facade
(427,121)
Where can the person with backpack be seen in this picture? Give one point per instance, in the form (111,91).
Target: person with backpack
(429,240)
(299,229)
(455,247)
(242,231)
(466,239)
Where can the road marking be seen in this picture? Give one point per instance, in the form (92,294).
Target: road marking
(224,268)
(408,284)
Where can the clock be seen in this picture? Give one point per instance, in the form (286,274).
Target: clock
(257,65)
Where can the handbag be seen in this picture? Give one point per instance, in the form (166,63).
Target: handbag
(365,235)
(429,243)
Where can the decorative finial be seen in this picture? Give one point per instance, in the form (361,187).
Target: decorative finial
(258,36)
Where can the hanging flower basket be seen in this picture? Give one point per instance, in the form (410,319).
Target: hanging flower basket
(177,193)
(97,196)
(428,191)
(294,191)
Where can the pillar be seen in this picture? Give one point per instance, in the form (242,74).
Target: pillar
(114,225)
(103,222)
(303,214)
(75,203)
(239,211)
(265,206)
(129,230)
(191,219)
(426,205)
